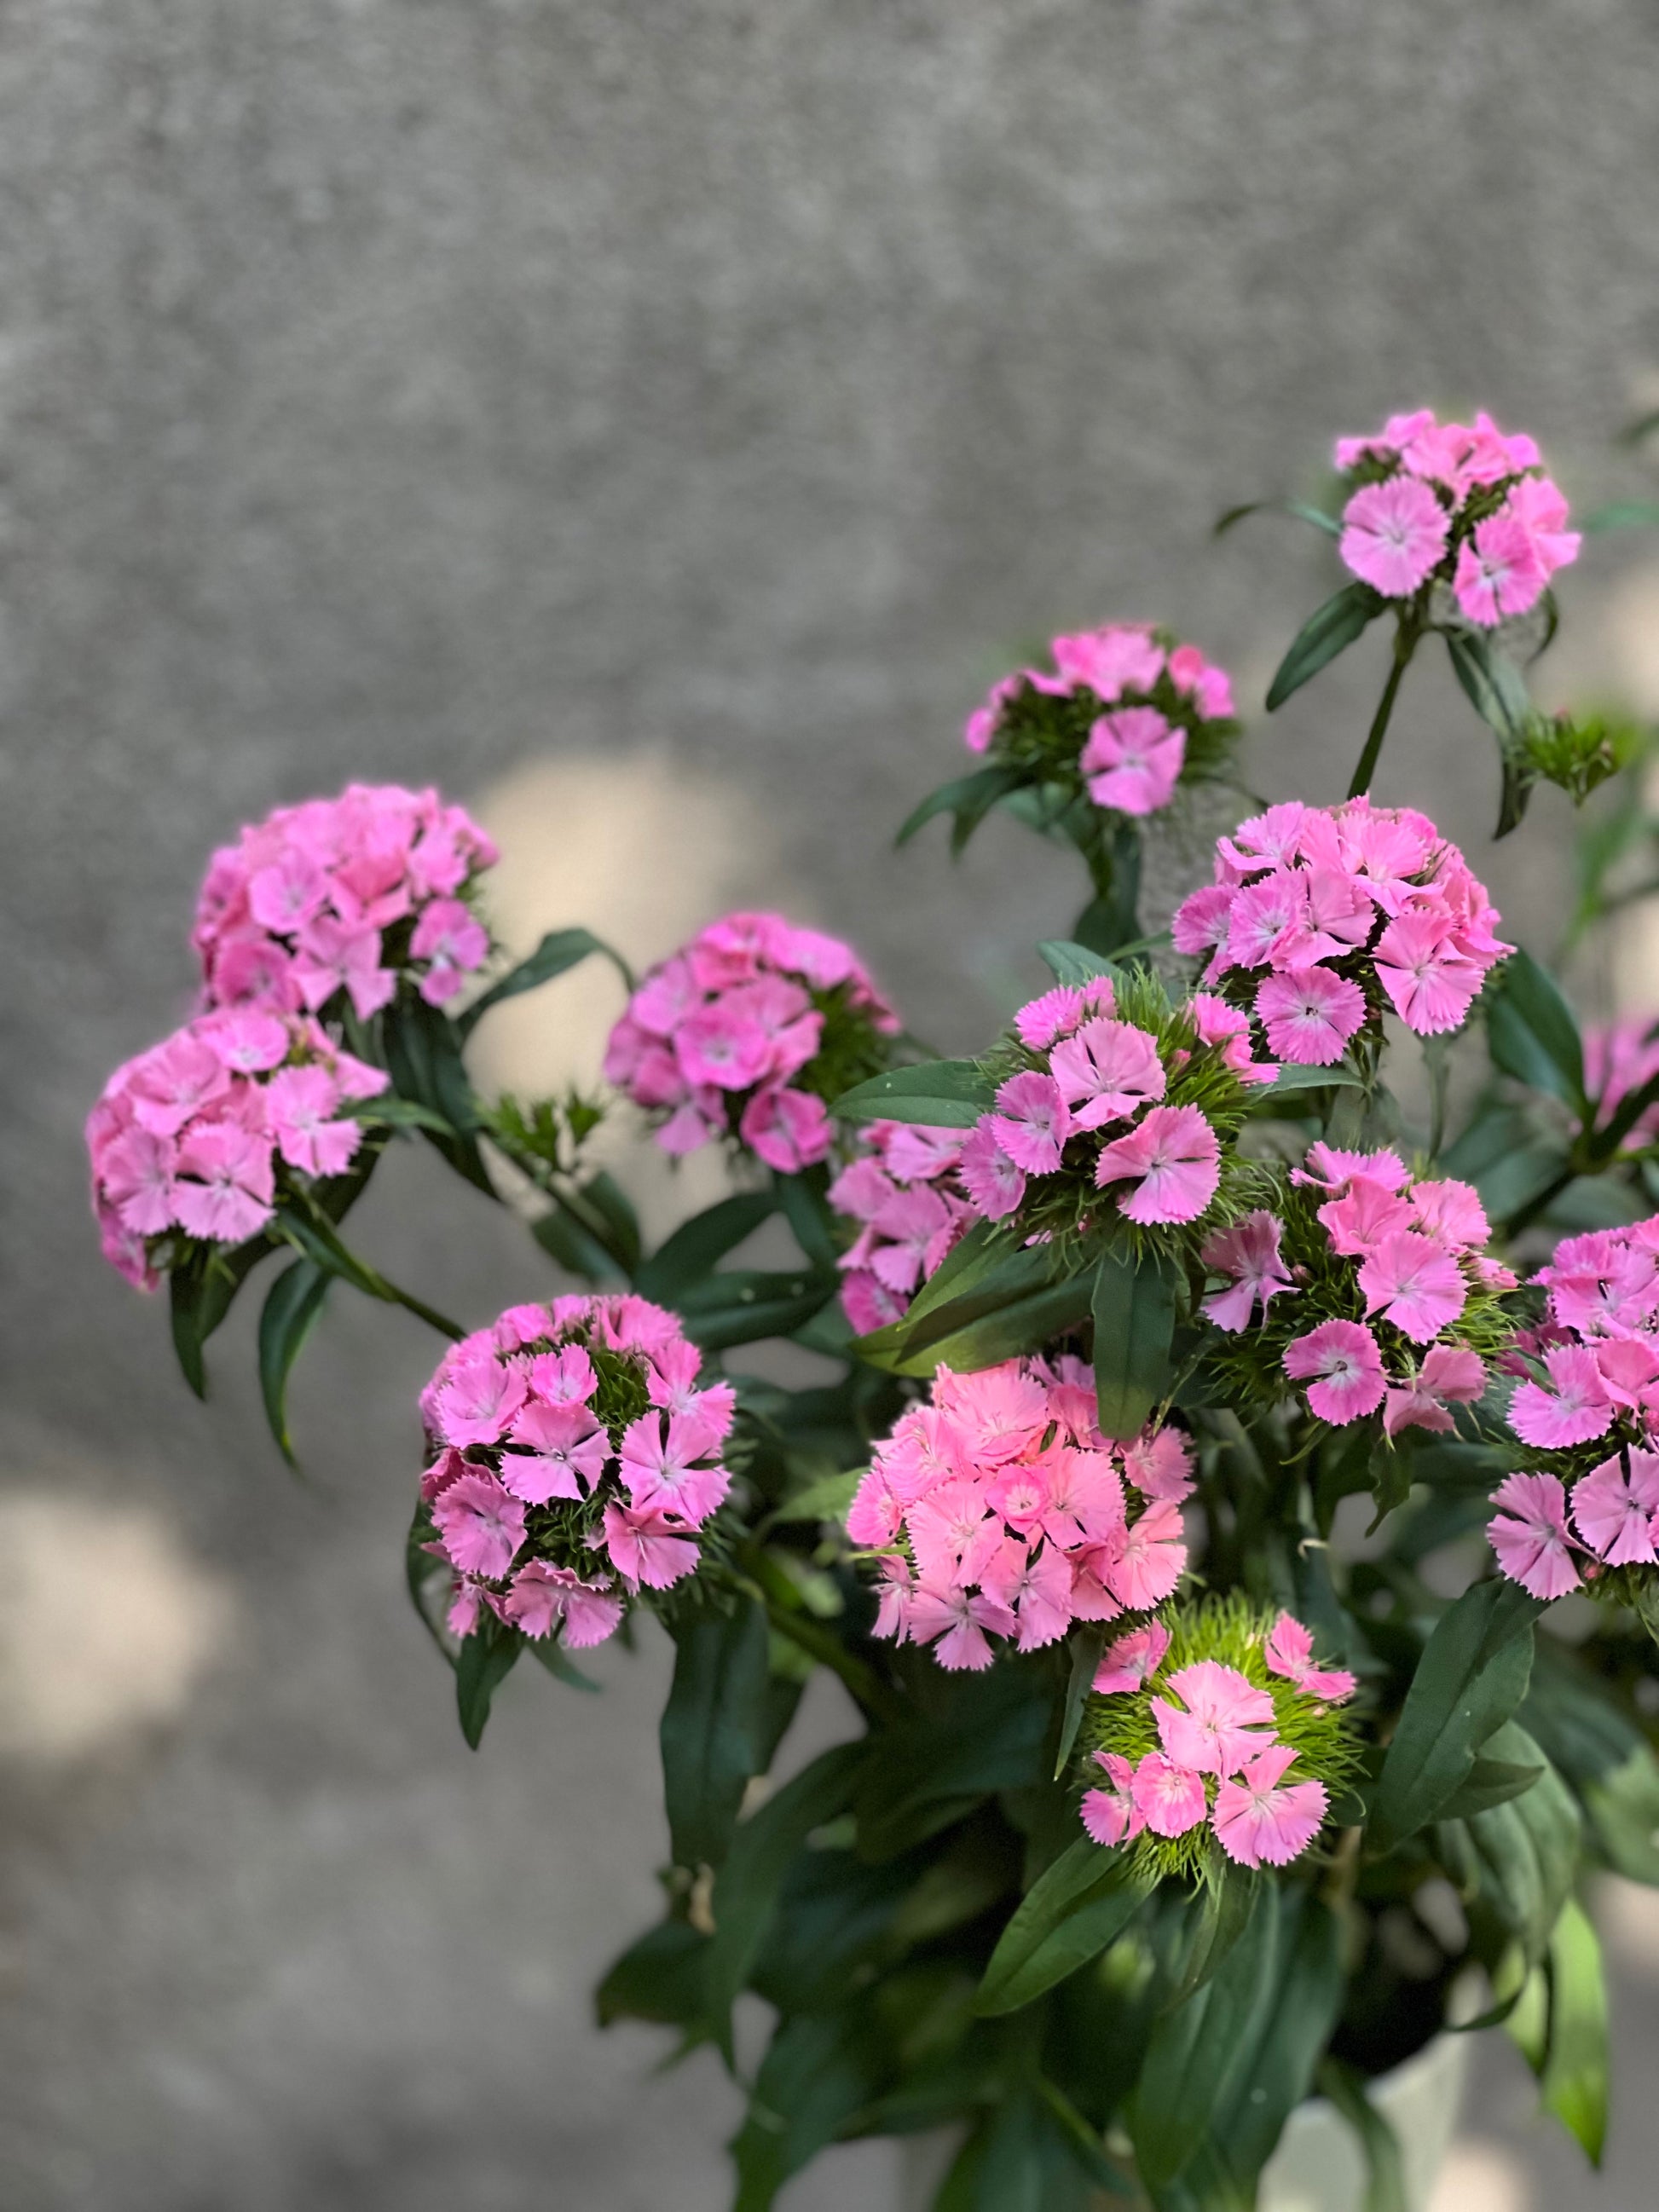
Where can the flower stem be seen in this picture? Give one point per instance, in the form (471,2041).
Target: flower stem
(766,1580)
(1405,644)
(315,1235)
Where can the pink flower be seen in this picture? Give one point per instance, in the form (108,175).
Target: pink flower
(1249,1254)
(648,1545)
(1430,984)
(1130,1662)
(990,1178)
(564,1453)
(922,1229)
(543,1597)
(226,1187)
(1150,1559)
(789,1129)
(1133,760)
(1217,1724)
(1033,1124)
(334,955)
(1289,1652)
(1122,657)
(1452,1211)
(954,1621)
(284,896)
(1266,915)
(451,935)
(1174,1159)
(1035,1588)
(981,725)
(1394,535)
(1500,571)
(1040,1022)
(246,1041)
(480,1524)
(1368,1211)
(950,1532)
(1159,1463)
(1614,1505)
(1343,1369)
(1106,1073)
(1537,505)
(1386,444)
(1168,1798)
(1110,1815)
(868,1304)
(300,1105)
(1530,1534)
(566,1377)
(660,1469)
(1202,921)
(171,1084)
(1577,1409)
(477,1400)
(718,1045)
(1258,1822)
(1451,1374)
(137,1177)
(893,1607)
(1334,1169)
(1309,1014)
(1413,1282)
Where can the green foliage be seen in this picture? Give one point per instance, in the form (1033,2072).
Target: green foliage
(716,1730)
(1329,631)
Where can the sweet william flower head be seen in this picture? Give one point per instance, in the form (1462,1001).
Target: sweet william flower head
(1123,719)
(744,1034)
(1212,1734)
(341,899)
(575,1462)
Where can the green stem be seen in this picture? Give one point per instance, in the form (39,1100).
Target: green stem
(1405,644)
(319,1240)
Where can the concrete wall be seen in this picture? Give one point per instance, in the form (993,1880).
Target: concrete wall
(499,391)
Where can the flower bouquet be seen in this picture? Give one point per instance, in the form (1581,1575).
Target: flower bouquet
(1229,1496)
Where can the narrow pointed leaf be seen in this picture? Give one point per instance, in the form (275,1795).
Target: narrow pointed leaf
(1069,1916)
(699,1244)
(942,1094)
(1133,1308)
(714,1728)
(560,950)
(1329,631)
(970,798)
(291,1308)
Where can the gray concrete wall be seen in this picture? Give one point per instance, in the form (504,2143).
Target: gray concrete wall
(495,390)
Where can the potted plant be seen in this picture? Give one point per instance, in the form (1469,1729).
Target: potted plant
(1166,1807)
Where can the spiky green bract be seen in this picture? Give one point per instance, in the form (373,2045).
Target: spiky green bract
(1231,1631)
(1066,1206)
(1045,734)
(1325,1287)
(851,1048)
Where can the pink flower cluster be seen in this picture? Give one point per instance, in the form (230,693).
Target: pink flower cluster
(1470,506)
(345,895)
(1623,1057)
(191,1137)
(1088,1074)
(1412,1248)
(719,1039)
(575,1462)
(1316,914)
(902,1191)
(1219,1759)
(1151,695)
(1004,1512)
(1598,1349)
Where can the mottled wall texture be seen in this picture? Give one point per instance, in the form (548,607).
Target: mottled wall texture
(656,423)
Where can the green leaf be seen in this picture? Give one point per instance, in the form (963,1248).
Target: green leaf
(1472,1676)
(1574,2077)
(485,1661)
(289,1313)
(1498,691)
(1522,1853)
(560,950)
(1069,1916)
(1018,1325)
(1491,1783)
(816,2075)
(1532,1033)
(200,1293)
(565,1238)
(745,1304)
(1293,1076)
(1133,1307)
(423,1054)
(548,1653)
(1074,964)
(606,1200)
(970,798)
(805,1206)
(698,1244)
(1329,631)
(1297,509)
(923,1775)
(1224,2070)
(826,1499)
(659,1977)
(1385,2187)
(940,1094)
(714,1731)
(1087,1644)
(1227,1900)
(1622,514)
(746,1886)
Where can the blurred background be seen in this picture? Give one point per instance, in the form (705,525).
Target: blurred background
(655,424)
